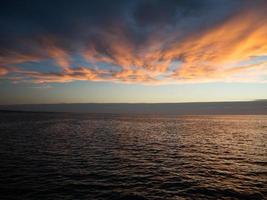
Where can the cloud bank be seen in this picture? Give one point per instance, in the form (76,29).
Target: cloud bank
(147,42)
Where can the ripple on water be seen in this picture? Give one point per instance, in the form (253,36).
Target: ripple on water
(55,156)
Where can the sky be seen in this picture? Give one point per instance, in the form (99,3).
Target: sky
(132,51)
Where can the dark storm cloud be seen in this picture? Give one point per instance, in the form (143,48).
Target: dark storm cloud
(72,21)
(142,37)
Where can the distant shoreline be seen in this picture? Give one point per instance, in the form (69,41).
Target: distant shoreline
(202,108)
(136,103)
(21,111)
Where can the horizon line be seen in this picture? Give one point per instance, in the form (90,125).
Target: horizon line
(183,102)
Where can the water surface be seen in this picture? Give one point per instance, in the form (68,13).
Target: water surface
(102,157)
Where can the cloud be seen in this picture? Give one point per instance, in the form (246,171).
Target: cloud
(239,38)
(131,42)
(3,71)
(59,55)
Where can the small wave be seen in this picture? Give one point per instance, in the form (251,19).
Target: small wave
(218,193)
(118,196)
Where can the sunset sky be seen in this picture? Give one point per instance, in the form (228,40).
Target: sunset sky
(132,51)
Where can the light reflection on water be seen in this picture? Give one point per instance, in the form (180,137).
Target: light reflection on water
(67,156)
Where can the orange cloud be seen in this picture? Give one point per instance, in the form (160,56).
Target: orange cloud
(207,55)
(16,58)
(82,74)
(225,52)
(59,55)
(8,60)
(3,71)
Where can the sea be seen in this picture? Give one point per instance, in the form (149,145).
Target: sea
(73,156)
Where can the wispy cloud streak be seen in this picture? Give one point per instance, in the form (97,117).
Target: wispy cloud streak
(156,51)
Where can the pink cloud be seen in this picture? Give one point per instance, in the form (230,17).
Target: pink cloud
(210,55)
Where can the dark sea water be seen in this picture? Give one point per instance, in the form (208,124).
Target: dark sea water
(101,157)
